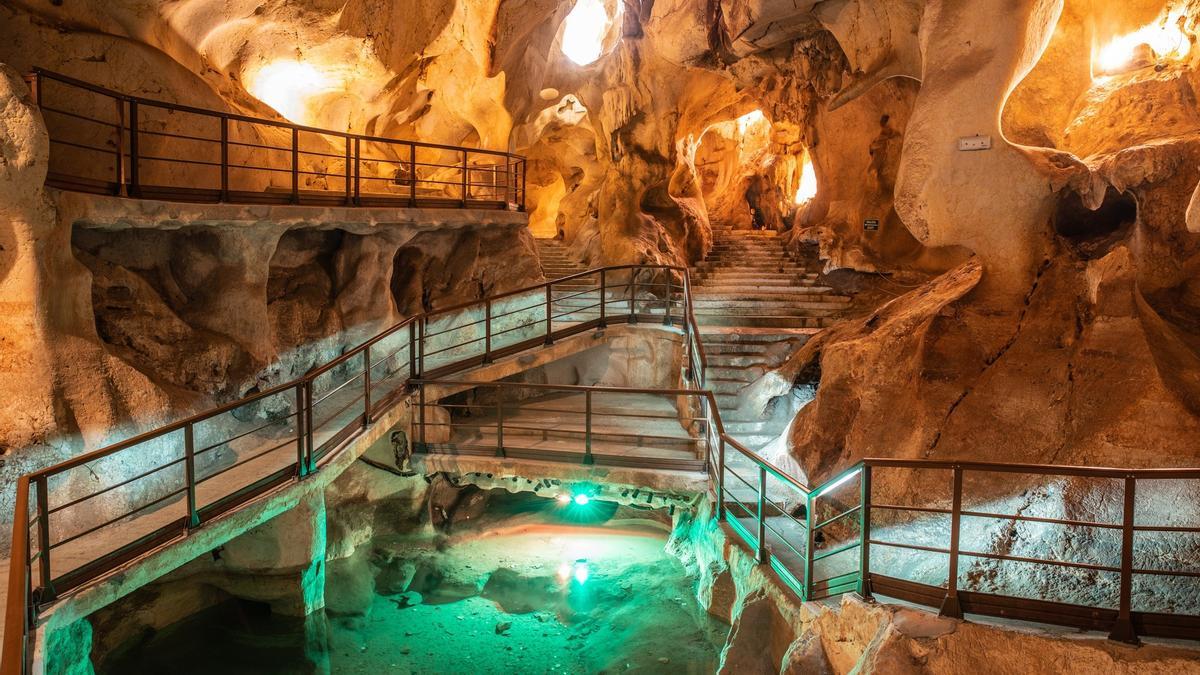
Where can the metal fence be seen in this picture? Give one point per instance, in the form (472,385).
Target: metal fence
(70,527)
(106,142)
(78,520)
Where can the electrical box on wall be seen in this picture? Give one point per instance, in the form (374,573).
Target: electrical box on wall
(970,143)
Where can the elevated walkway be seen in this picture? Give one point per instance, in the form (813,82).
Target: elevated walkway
(175,491)
(106,142)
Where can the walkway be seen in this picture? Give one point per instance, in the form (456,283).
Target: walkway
(106,142)
(621,429)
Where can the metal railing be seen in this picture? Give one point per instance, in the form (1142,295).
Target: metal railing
(818,540)
(106,142)
(593,425)
(78,520)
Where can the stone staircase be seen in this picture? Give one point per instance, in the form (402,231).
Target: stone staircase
(736,358)
(756,305)
(750,280)
(557,262)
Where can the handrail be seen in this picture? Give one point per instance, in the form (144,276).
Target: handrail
(129,180)
(24,599)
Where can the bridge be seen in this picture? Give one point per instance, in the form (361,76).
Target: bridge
(187,478)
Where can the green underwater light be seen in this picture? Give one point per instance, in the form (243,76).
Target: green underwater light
(582,504)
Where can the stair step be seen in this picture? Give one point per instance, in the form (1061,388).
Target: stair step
(798,293)
(813,302)
(745,285)
(767,321)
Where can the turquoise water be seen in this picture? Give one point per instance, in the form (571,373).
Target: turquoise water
(536,597)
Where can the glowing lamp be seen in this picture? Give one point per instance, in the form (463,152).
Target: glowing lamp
(1163,38)
(581,571)
(564,498)
(582,499)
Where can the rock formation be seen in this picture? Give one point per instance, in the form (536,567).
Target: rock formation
(1019,178)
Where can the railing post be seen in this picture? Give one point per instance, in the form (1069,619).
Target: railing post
(499,421)
(510,196)
(549,314)
(464,179)
(633,284)
(119,173)
(760,553)
(295,165)
(302,436)
(670,288)
(587,428)
(357,171)
(951,606)
(487,335)
(412,183)
(1122,629)
(43,517)
(413,372)
(806,584)
(189,466)
(366,385)
(310,427)
(224,158)
(864,532)
(603,298)
(350,164)
(421,427)
(421,347)
(720,477)
(135,183)
(687,304)
(523,166)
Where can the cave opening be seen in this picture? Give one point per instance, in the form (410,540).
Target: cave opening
(1091,234)
(587,28)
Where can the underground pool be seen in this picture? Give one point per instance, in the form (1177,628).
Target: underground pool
(530,585)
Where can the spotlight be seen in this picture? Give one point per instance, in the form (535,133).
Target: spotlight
(582,499)
(581,570)
(563,498)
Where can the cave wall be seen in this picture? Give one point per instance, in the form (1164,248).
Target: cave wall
(1062,327)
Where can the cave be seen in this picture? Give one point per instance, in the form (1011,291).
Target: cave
(751,336)
(1091,233)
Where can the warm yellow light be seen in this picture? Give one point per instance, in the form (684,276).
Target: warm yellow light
(1164,37)
(287,85)
(583,31)
(808,183)
(750,120)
